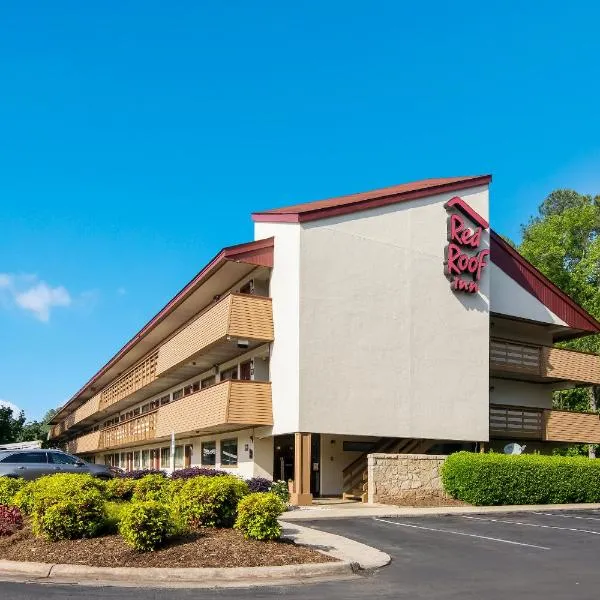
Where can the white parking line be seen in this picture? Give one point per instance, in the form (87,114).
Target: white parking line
(472,535)
(521,523)
(567,516)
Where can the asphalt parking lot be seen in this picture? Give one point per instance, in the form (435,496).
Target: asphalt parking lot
(550,556)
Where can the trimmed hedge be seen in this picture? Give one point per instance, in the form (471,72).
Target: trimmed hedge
(497,479)
(80,516)
(259,484)
(257,516)
(50,489)
(139,473)
(153,487)
(146,525)
(9,486)
(190,472)
(209,501)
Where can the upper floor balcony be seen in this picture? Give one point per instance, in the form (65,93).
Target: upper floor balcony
(234,324)
(520,422)
(543,363)
(230,404)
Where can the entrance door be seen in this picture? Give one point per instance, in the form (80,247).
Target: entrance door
(283,465)
(284,459)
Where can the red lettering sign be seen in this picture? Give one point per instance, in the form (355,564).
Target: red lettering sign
(464,262)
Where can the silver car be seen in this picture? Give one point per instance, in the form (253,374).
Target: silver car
(31,464)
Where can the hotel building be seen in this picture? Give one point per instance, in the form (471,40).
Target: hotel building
(388,321)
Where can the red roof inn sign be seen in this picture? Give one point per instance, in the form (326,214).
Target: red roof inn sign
(464,260)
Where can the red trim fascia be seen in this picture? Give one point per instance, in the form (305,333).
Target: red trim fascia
(471,213)
(369,203)
(537,284)
(239,253)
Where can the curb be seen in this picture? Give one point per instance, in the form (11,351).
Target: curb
(342,548)
(161,577)
(368,512)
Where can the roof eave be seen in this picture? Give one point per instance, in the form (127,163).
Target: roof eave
(367,204)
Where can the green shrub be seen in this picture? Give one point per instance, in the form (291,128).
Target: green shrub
(257,516)
(495,479)
(80,516)
(120,488)
(146,525)
(54,488)
(282,490)
(210,501)
(9,486)
(151,488)
(114,514)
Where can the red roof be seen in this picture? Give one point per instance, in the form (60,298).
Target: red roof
(537,284)
(344,205)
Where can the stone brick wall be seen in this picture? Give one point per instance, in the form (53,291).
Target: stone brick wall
(406,478)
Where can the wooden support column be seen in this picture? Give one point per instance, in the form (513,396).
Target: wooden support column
(300,495)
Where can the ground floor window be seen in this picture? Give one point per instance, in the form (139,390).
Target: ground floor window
(209,454)
(229,452)
(155,459)
(145,459)
(165,458)
(189,450)
(137,460)
(179,457)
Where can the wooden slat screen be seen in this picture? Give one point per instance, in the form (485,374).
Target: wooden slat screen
(511,356)
(136,430)
(516,421)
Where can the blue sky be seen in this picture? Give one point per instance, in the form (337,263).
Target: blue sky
(136,138)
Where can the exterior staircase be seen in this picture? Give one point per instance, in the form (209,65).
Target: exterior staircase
(355,475)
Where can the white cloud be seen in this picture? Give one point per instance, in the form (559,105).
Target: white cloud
(16,410)
(30,294)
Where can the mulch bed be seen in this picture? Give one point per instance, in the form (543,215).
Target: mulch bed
(204,548)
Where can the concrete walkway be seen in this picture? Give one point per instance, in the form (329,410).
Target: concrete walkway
(349,510)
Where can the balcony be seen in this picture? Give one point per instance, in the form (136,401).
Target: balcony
(84,443)
(206,340)
(519,422)
(136,430)
(210,339)
(544,362)
(220,407)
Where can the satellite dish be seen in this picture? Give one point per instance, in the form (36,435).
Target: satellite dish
(514,448)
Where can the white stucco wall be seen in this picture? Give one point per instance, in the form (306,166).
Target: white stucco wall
(509,298)
(519,393)
(386,348)
(285,350)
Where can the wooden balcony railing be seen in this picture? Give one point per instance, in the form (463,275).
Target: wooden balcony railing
(580,367)
(84,443)
(136,378)
(236,315)
(545,362)
(225,405)
(564,426)
(516,421)
(542,424)
(135,430)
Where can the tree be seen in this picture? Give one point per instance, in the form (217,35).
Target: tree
(563,242)
(10,427)
(37,430)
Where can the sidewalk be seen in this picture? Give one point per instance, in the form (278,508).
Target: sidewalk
(358,510)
